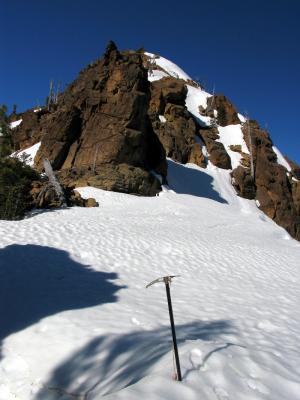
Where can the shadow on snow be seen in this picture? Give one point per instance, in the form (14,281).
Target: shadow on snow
(38,281)
(112,362)
(186,180)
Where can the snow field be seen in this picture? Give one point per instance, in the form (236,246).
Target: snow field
(77,321)
(235,304)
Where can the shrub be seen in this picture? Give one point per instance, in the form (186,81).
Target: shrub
(15,184)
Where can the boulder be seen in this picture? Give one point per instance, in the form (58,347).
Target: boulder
(118,178)
(90,202)
(44,196)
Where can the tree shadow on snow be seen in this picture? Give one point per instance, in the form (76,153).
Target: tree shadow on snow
(185,180)
(112,362)
(38,281)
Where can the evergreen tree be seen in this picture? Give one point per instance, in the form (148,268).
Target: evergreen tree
(15,185)
(5,133)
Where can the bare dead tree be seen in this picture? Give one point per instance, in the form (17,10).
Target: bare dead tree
(51,93)
(250,145)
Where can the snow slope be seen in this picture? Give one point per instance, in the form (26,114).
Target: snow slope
(78,323)
(170,69)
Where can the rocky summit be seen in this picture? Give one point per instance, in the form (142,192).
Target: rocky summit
(115,126)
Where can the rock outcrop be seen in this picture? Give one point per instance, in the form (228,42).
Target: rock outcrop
(101,122)
(276,193)
(219,107)
(172,123)
(216,150)
(113,129)
(29,131)
(243,182)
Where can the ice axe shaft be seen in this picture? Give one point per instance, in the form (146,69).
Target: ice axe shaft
(167,281)
(173,330)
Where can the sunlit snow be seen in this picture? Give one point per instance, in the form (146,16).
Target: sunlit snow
(281,160)
(233,135)
(168,66)
(14,124)
(29,153)
(78,321)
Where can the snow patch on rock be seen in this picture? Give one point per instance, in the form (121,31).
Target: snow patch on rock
(281,160)
(232,135)
(168,66)
(29,153)
(14,124)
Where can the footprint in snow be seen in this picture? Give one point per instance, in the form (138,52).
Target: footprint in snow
(258,386)
(135,321)
(196,358)
(221,393)
(267,326)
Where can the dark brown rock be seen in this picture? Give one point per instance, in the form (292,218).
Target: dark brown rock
(164,91)
(177,133)
(196,156)
(243,183)
(217,153)
(296,196)
(102,118)
(275,192)
(237,148)
(44,196)
(90,202)
(119,178)
(295,169)
(227,114)
(29,131)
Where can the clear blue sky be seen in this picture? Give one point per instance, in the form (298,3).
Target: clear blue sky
(248,49)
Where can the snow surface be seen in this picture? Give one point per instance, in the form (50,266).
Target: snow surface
(233,135)
(169,67)
(162,119)
(77,321)
(242,118)
(156,75)
(281,160)
(197,97)
(15,123)
(30,152)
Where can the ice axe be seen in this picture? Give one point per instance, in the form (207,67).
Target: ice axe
(167,280)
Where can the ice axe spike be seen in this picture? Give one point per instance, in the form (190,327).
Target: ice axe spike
(167,280)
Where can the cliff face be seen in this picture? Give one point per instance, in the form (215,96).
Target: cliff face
(100,132)
(117,122)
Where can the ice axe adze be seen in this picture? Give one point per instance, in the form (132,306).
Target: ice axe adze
(167,280)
